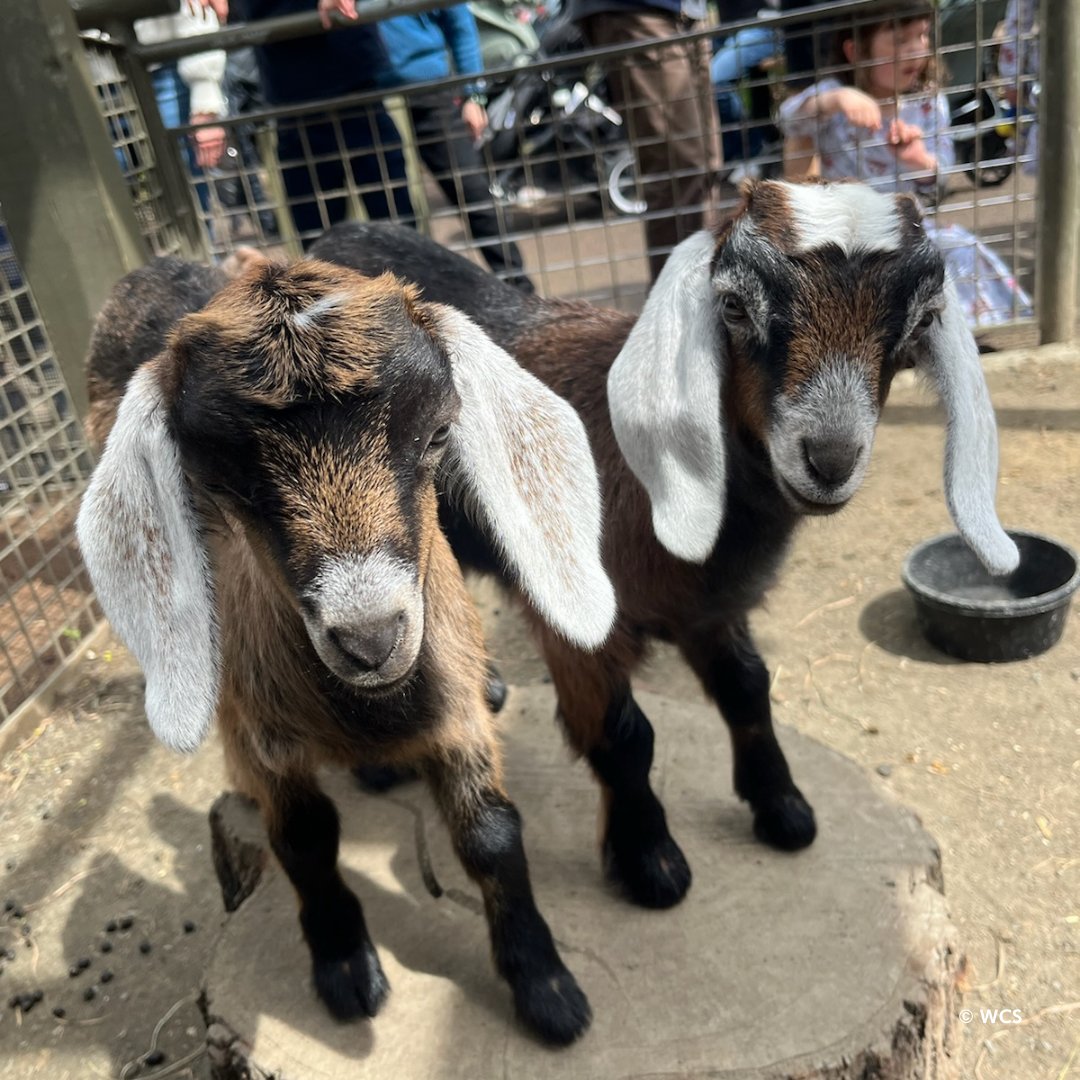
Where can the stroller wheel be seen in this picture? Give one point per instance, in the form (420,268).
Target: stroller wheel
(622,187)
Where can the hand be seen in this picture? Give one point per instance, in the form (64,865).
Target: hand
(209,141)
(860,109)
(327,8)
(906,141)
(219,7)
(475,116)
(901,133)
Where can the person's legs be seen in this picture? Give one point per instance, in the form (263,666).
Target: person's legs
(729,107)
(298,143)
(174,105)
(377,163)
(666,100)
(738,57)
(445,148)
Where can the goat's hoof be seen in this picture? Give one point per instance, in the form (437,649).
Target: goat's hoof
(495,691)
(375,779)
(353,986)
(553,1006)
(785,822)
(654,877)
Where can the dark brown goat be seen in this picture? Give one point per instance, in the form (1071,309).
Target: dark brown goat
(744,397)
(262,530)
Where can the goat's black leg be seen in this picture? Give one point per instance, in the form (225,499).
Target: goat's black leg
(304,833)
(495,690)
(604,724)
(735,675)
(486,830)
(639,851)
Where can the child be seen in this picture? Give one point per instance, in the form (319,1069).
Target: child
(883,122)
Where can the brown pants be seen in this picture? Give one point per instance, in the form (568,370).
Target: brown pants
(665,98)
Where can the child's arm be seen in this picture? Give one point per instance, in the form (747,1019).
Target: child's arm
(802,116)
(823,100)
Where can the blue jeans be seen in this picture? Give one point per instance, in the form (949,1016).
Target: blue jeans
(305,180)
(736,57)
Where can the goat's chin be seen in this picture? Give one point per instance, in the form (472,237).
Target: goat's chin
(386,680)
(383,689)
(805,505)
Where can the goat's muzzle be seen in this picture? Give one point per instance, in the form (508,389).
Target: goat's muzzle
(820,441)
(365,617)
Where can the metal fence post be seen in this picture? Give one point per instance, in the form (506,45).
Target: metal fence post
(1058,220)
(171,169)
(63,196)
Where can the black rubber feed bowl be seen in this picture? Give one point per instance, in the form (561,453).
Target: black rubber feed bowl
(967,613)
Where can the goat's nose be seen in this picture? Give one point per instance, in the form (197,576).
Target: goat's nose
(370,643)
(831,461)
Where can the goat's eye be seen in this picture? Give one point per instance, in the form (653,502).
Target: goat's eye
(732,308)
(439,437)
(926,321)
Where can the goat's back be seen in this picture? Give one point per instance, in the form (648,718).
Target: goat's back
(134,325)
(446,277)
(568,344)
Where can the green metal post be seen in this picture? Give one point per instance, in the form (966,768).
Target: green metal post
(1059,171)
(171,169)
(63,196)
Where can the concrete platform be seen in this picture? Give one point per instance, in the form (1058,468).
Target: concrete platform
(838,962)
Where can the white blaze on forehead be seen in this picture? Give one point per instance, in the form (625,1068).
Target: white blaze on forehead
(302,320)
(853,216)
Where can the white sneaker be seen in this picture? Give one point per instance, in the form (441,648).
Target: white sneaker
(527,195)
(745,170)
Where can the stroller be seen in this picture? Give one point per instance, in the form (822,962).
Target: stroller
(552,134)
(983,123)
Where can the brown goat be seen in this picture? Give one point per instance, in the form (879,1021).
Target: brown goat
(262,530)
(745,397)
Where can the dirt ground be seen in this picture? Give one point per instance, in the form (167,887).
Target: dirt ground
(99,824)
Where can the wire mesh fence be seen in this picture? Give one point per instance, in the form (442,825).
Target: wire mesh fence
(47,602)
(591,179)
(123,115)
(576,188)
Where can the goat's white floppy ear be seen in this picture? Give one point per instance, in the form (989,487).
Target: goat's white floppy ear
(141,544)
(971,449)
(523,455)
(664,396)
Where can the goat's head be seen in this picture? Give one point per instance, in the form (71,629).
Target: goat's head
(791,322)
(311,410)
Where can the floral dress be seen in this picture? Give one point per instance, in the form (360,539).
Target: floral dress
(987,288)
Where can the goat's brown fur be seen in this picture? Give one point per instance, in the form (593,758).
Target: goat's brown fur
(822,304)
(309,377)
